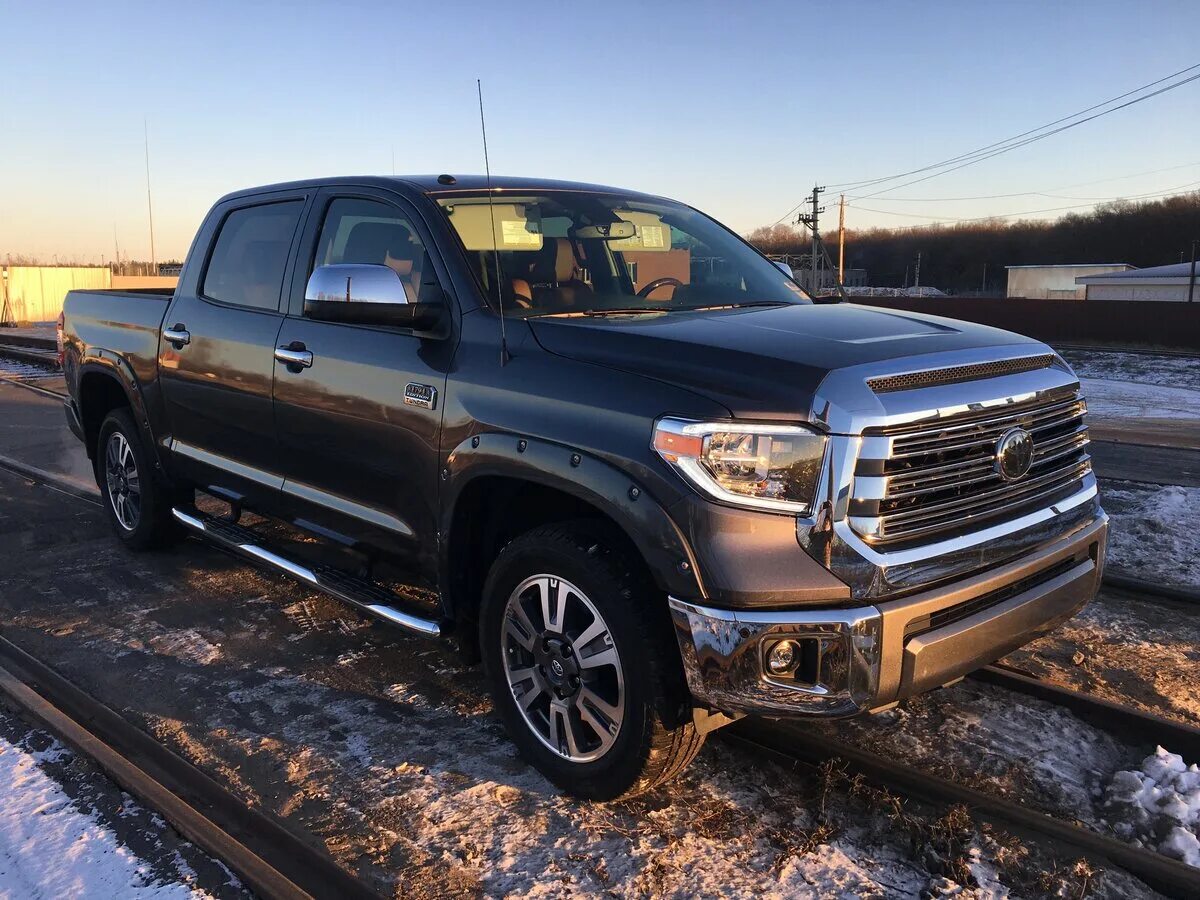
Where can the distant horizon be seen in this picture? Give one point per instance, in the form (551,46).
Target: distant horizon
(683,100)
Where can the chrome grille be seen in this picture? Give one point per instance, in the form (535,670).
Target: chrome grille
(914,481)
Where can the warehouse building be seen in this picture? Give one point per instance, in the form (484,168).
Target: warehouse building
(1155,283)
(1055,282)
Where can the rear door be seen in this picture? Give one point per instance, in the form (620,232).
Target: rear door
(358,459)
(216,354)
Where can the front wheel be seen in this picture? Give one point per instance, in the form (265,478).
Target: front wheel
(582,666)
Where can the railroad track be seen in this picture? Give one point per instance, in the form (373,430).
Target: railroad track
(793,746)
(791,743)
(264,853)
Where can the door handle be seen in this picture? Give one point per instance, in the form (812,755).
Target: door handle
(295,356)
(177,335)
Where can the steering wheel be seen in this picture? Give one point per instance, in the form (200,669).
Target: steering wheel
(657,283)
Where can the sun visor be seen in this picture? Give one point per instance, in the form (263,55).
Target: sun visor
(517,226)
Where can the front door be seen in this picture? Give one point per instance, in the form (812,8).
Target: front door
(216,354)
(359,460)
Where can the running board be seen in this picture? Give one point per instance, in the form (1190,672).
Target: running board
(349,588)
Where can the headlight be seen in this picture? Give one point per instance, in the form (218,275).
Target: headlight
(764,466)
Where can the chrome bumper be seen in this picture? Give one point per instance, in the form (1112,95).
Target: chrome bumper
(867,657)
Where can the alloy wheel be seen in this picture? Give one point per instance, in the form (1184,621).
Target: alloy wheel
(563,668)
(124,483)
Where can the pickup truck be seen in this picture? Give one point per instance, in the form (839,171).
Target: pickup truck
(593,439)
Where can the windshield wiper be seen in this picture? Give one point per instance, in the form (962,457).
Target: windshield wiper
(600,311)
(744,305)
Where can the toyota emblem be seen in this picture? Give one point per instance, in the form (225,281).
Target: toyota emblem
(1014,454)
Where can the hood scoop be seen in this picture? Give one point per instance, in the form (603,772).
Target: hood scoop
(956,374)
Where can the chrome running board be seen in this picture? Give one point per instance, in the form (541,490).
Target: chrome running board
(348,588)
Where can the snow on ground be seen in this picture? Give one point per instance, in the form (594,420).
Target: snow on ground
(1158,806)
(1145,368)
(50,849)
(1137,385)
(1109,399)
(1155,531)
(12,368)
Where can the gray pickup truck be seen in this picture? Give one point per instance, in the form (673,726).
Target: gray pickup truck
(594,439)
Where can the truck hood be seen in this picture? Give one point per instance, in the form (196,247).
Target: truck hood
(765,362)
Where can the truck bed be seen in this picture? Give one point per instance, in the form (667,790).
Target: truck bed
(124,322)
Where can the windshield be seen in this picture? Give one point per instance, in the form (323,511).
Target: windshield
(583,253)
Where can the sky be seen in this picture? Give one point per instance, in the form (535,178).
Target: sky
(736,108)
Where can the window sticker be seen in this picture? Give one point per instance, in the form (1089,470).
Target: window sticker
(520,233)
(652,236)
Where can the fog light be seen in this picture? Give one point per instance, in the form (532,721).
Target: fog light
(782,657)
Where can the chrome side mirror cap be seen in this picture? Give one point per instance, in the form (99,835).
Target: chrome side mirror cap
(353,283)
(370,295)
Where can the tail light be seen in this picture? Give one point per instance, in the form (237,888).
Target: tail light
(58,337)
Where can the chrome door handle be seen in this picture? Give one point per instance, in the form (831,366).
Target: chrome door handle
(177,335)
(291,357)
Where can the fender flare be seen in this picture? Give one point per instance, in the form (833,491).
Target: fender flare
(117,369)
(621,498)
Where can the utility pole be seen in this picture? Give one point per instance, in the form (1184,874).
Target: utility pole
(810,220)
(1192,274)
(917,273)
(983,284)
(149,204)
(842,240)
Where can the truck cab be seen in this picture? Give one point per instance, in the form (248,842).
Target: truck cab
(592,438)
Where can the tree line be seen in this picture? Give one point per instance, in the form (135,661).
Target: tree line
(969,257)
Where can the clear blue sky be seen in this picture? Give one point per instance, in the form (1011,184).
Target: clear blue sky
(735,107)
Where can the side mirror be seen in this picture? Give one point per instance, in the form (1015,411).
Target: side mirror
(784,268)
(367,295)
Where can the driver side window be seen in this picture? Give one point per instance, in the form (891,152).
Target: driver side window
(369,232)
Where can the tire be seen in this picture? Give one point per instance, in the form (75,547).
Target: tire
(136,500)
(605,657)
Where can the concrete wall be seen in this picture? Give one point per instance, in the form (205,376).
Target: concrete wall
(1053,282)
(1115,322)
(35,293)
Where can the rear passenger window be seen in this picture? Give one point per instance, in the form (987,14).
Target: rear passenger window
(250,255)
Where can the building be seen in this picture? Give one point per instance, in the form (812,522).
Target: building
(1155,283)
(1055,282)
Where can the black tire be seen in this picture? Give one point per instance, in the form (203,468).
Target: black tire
(656,738)
(140,518)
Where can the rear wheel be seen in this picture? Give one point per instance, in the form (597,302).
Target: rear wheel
(137,501)
(582,668)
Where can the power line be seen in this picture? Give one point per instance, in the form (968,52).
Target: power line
(1045,193)
(1028,212)
(1183,188)
(1016,141)
(1039,137)
(1032,131)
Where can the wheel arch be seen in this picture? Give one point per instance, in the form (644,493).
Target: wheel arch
(104,385)
(501,485)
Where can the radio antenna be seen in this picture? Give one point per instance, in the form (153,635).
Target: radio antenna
(504,357)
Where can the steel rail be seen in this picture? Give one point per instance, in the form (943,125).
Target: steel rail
(1131,724)
(1157,591)
(261,850)
(46,392)
(791,743)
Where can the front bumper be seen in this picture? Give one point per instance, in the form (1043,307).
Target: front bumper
(866,657)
